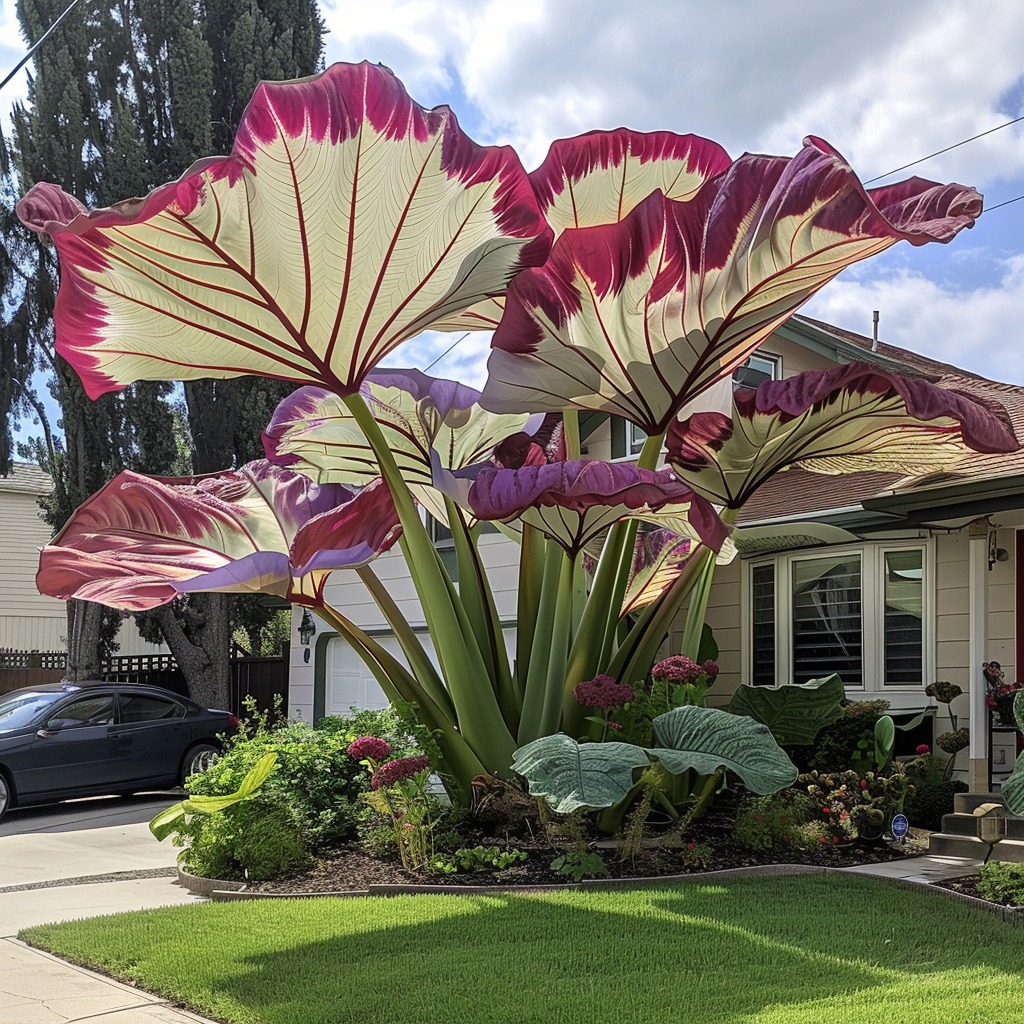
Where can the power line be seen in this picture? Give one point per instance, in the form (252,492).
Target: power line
(39,42)
(1006,203)
(939,152)
(448,349)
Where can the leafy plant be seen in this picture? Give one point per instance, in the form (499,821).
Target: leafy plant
(358,219)
(1002,882)
(571,775)
(486,858)
(579,864)
(783,820)
(794,712)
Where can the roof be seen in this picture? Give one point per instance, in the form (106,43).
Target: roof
(27,479)
(799,492)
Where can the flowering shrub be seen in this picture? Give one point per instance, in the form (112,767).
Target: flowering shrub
(783,820)
(855,805)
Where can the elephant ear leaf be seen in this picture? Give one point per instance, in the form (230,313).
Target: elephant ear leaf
(707,739)
(794,712)
(571,775)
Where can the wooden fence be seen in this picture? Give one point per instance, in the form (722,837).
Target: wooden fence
(259,678)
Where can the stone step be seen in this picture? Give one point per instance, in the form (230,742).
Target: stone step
(959,824)
(942,844)
(964,803)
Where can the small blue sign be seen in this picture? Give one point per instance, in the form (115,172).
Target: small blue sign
(900,826)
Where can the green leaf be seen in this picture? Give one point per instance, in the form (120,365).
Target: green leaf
(885,741)
(166,821)
(570,775)
(1012,789)
(707,739)
(795,713)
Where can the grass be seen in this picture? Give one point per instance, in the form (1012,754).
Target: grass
(786,950)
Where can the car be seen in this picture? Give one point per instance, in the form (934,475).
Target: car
(63,740)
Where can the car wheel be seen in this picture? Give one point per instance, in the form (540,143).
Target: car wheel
(5,796)
(198,759)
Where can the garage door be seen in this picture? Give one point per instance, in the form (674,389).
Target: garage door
(350,684)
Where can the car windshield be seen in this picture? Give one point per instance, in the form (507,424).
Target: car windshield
(20,709)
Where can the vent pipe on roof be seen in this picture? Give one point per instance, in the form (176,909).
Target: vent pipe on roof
(874,330)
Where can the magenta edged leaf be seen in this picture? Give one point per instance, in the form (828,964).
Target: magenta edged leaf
(346,220)
(346,537)
(640,317)
(659,557)
(140,541)
(848,419)
(600,177)
(574,501)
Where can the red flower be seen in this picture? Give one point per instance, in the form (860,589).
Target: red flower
(835,839)
(602,692)
(822,840)
(922,748)
(369,747)
(397,771)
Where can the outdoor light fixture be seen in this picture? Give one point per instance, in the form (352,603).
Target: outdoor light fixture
(307,628)
(991,825)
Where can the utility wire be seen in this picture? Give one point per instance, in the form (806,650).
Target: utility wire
(448,349)
(39,42)
(939,152)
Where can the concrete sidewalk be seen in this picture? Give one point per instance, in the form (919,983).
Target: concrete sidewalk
(50,876)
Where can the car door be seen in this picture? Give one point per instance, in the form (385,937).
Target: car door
(74,750)
(151,733)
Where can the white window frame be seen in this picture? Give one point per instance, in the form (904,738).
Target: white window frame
(872,555)
(774,364)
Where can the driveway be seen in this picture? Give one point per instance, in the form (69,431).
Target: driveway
(83,858)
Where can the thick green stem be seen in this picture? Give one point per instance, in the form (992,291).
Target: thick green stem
(462,665)
(531,577)
(698,609)
(571,430)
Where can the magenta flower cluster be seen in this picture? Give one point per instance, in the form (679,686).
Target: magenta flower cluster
(681,669)
(369,748)
(399,770)
(602,692)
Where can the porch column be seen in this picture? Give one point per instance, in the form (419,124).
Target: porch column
(976,656)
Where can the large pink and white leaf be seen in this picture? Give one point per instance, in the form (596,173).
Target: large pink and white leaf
(600,177)
(852,418)
(346,220)
(574,501)
(659,558)
(640,317)
(140,541)
(428,423)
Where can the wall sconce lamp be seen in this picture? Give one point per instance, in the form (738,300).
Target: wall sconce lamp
(307,630)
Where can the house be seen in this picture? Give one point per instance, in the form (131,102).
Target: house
(30,622)
(890,582)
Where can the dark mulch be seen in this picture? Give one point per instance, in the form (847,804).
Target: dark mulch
(968,886)
(352,868)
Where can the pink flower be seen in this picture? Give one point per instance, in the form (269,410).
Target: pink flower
(602,692)
(398,770)
(677,669)
(369,748)
(614,725)
(710,669)
(922,748)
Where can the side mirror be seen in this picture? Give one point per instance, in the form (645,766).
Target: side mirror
(44,732)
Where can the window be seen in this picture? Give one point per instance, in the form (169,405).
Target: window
(141,708)
(91,711)
(758,368)
(635,438)
(860,612)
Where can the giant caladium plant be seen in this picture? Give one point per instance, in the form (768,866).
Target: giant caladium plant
(628,274)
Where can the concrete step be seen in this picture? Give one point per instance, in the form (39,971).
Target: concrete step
(964,803)
(959,824)
(944,844)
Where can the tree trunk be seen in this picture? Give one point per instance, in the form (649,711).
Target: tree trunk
(208,678)
(84,621)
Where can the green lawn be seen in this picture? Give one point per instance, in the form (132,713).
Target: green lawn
(790,950)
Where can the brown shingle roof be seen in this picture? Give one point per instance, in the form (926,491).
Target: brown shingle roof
(798,491)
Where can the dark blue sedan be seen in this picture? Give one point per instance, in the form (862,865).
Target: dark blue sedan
(63,740)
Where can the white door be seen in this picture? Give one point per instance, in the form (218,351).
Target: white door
(350,684)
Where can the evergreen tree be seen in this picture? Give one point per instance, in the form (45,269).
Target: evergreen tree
(127,94)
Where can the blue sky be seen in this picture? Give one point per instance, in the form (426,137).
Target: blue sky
(884,82)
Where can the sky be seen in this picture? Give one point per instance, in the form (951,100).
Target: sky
(884,83)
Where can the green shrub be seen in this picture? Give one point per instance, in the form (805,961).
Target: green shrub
(925,807)
(1002,882)
(246,840)
(846,742)
(315,780)
(780,821)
